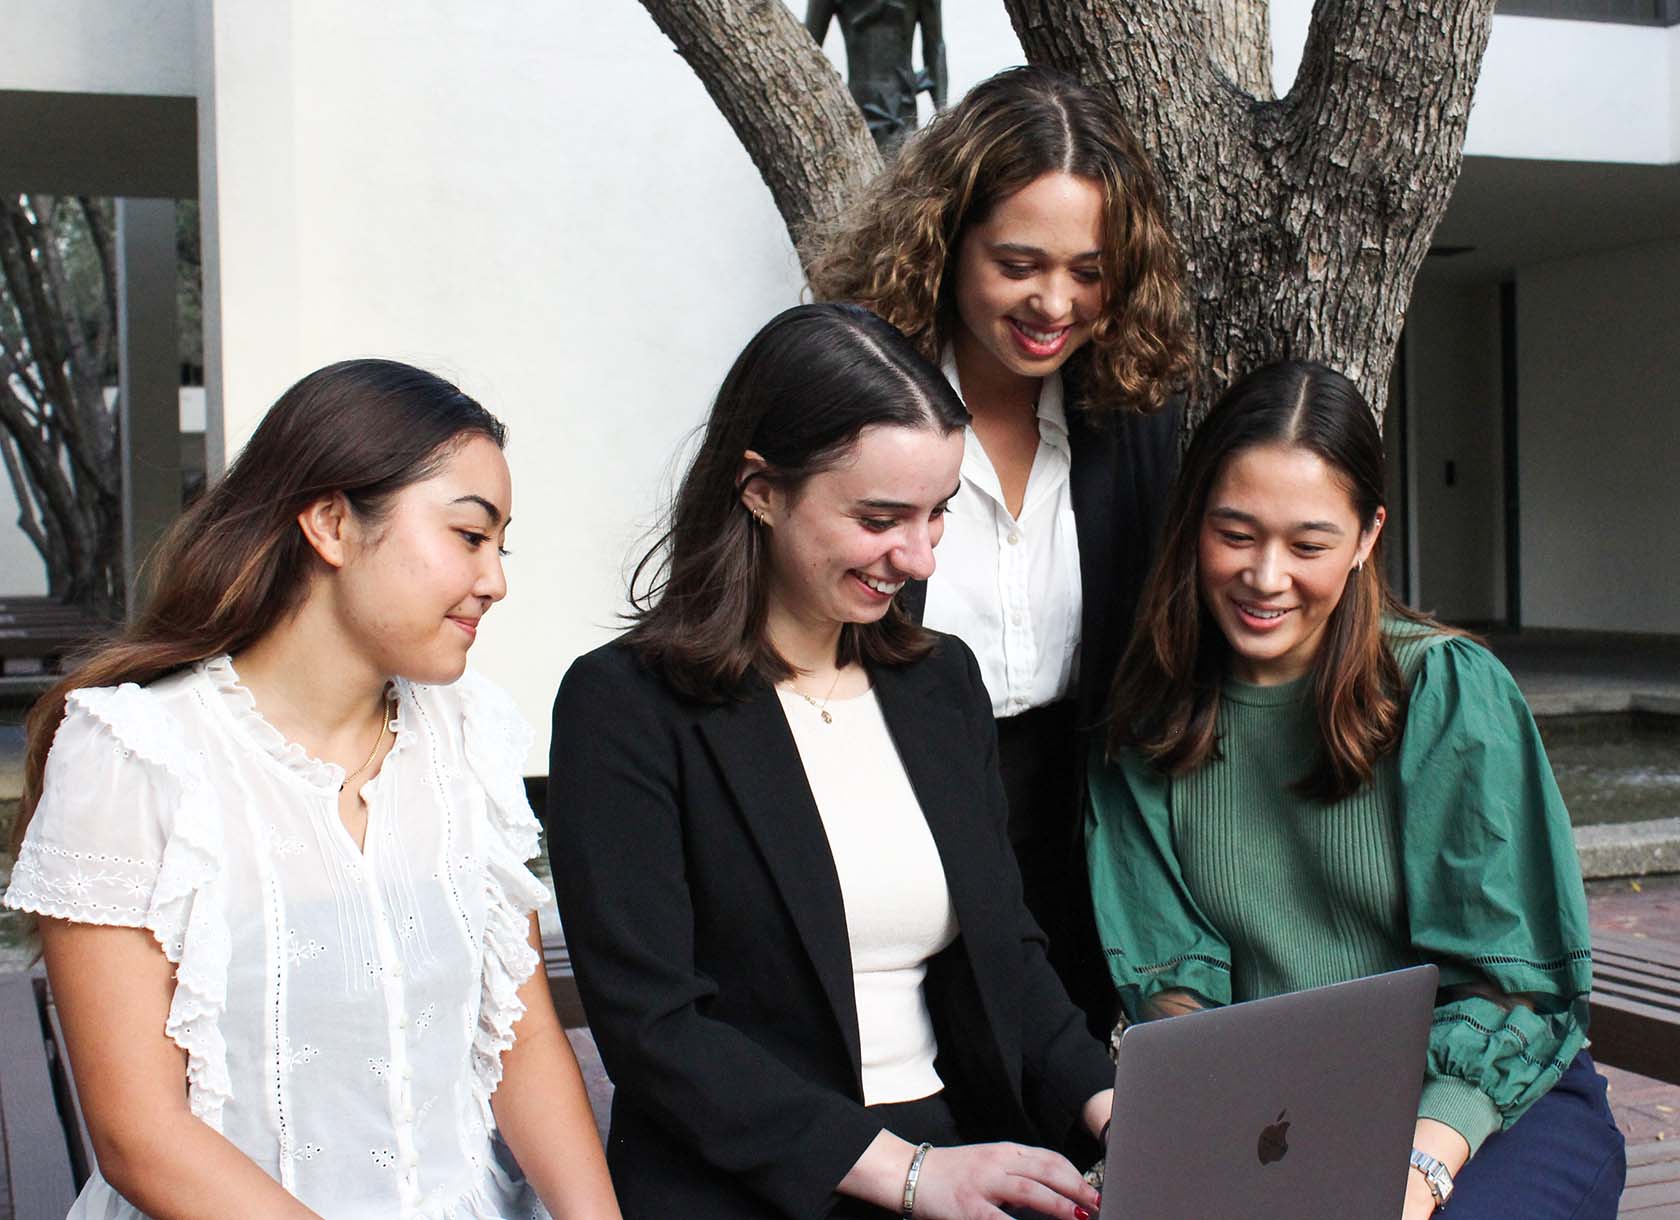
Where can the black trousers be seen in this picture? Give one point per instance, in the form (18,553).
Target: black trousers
(1042,757)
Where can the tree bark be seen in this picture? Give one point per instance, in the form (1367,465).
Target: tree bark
(1304,220)
(1240,43)
(786,102)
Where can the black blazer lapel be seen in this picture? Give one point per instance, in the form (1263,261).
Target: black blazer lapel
(756,753)
(1095,514)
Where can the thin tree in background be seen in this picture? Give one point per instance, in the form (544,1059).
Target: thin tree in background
(59,440)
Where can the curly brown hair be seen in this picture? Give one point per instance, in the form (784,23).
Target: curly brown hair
(892,251)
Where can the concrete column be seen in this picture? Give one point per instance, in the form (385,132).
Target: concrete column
(148,378)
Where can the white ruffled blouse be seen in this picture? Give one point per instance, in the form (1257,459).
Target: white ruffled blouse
(343,1011)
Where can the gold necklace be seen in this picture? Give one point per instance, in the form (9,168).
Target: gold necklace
(385,723)
(822,708)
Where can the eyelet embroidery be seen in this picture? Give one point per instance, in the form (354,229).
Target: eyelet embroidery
(248,860)
(300,951)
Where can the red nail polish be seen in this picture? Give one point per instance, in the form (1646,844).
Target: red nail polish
(1079,1213)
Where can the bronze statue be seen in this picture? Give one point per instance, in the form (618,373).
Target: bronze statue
(879,36)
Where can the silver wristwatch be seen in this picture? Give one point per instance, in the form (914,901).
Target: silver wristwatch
(1435,1175)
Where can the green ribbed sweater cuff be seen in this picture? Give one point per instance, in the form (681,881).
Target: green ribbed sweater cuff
(1462,1106)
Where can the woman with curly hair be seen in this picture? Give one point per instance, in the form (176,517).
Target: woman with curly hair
(1020,241)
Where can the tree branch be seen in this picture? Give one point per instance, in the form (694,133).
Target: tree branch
(1240,44)
(784,99)
(103,237)
(27,520)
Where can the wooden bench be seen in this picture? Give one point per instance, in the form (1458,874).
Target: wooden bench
(38,636)
(562,984)
(1636,1005)
(47,1149)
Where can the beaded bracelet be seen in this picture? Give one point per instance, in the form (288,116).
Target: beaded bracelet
(908,1209)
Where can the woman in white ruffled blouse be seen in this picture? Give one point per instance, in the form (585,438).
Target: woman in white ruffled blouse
(277,838)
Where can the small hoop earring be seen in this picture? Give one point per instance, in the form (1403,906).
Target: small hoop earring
(760,516)
(1359,566)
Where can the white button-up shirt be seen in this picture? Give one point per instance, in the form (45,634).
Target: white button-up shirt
(1009,586)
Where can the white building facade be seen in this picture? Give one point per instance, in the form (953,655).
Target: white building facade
(540,202)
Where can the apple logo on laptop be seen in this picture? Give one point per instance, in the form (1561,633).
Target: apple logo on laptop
(1274,1142)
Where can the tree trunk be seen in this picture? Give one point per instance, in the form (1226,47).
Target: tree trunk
(1303,221)
(786,102)
(58,435)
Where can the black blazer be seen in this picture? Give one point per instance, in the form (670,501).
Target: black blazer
(705,921)
(1122,472)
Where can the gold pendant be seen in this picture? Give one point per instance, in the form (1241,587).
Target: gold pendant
(827,719)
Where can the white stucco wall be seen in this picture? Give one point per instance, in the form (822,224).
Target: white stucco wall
(536,200)
(1599,439)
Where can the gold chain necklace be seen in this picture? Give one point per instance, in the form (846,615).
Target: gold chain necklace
(822,708)
(387,722)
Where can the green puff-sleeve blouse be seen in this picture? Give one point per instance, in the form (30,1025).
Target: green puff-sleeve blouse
(1459,852)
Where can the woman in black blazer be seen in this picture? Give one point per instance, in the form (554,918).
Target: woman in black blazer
(705,836)
(1021,241)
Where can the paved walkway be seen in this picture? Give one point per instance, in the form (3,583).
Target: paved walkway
(1579,672)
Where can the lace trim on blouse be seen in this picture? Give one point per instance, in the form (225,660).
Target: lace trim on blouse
(497,740)
(169,896)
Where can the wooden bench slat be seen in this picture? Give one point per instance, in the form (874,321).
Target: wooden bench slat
(1641,948)
(1657,992)
(80,1145)
(36,1157)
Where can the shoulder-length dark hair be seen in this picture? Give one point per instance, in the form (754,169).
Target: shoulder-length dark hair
(799,394)
(1166,691)
(895,251)
(236,563)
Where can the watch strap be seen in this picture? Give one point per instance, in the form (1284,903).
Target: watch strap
(1435,1176)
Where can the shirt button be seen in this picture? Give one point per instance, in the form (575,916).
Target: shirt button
(396,970)
(407,1072)
(402,1022)
(1013,538)
(1016,618)
(406,1114)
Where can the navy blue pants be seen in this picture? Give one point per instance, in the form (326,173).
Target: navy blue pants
(1563,1160)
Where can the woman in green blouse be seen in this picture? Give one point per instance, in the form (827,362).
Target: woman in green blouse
(1305,782)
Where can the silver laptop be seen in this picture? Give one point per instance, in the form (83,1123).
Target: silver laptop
(1302,1105)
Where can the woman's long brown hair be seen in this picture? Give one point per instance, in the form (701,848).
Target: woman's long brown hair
(895,252)
(236,563)
(1165,699)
